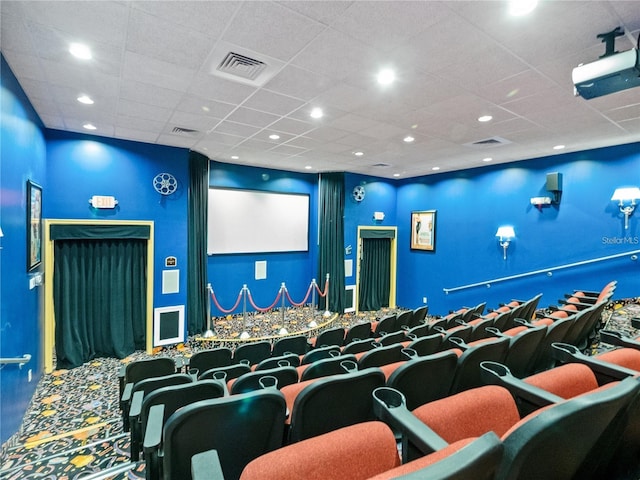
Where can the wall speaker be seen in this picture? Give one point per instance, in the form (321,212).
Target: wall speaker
(554,182)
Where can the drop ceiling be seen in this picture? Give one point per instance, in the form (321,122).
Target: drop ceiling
(154,78)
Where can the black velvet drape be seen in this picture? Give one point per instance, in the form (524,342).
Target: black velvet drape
(99,298)
(375,270)
(331,248)
(197,296)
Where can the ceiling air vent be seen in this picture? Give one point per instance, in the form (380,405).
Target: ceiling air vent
(245,67)
(381,165)
(185,131)
(489,142)
(241,65)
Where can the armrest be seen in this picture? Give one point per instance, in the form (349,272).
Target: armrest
(523,322)
(206,466)
(121,371)
(566,353)
(584,303)
(389,405)
(619,340)
(459,343)
(125,403)
(126,395)
(495,332)
(587,293)
(136,405)
(134,424)
(494,373)
(152,444)
(153,434)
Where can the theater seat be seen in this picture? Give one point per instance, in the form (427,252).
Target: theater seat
(552,442)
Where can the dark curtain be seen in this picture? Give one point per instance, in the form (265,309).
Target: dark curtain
(375,268)
(197,296)
(331,248)
(100,298)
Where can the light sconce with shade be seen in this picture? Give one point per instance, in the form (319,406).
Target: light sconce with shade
(626,198)
(505,235)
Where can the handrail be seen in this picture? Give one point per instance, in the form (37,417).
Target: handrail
(548,271)
(19,360)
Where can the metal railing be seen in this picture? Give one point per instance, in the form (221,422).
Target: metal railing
(549,271)
(19,360)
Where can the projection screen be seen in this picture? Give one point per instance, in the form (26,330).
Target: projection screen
(252,221)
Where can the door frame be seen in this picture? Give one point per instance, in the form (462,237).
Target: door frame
(49,259)
(393,260)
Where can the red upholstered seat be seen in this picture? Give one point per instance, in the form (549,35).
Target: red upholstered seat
(355,452)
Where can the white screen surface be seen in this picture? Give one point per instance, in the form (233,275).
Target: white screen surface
(251,221)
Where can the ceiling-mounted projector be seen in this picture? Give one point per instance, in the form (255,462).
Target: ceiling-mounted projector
(609,74)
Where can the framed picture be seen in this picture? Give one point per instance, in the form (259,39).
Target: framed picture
(423,230)
(34,225)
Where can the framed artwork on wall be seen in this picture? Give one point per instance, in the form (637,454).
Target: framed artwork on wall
(34,225)
(423,230)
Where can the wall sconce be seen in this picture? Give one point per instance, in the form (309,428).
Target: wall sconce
(629,195)
(505,234)
(1,235)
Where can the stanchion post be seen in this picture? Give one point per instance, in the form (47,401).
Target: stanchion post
(209,333)
(313,322)
(244,334)
(327,312)
(283,289)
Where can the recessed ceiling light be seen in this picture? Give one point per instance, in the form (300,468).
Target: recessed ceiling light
(234,157)
(386,76)
(518,8)
(487,159)
(85,99)
(408,139)
(558,147)
(435,169)
(273,136)
(89,126)
(80,50)
(358,154)
(308,167)
(205,108)
(316,113)
(485,118)
(396,175)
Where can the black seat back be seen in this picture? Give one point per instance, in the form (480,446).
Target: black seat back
(253,352)
(240,428)
(251,381)
(327,367)
(334,402)
(206,359)
(425,379)
(297,344)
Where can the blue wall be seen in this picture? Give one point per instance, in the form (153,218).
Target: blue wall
(80,166)
(472,204)
(22,158)
(228,273)
(380,196)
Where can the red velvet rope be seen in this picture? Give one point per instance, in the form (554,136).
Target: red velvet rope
(215,300)
(264,309)
(326,289)
(286,292)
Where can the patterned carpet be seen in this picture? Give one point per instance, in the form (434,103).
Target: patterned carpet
(73,428)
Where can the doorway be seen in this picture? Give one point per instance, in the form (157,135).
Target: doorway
(144,250)
(376,267)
